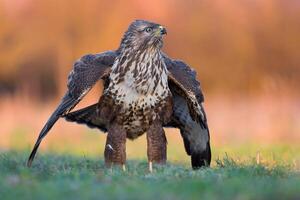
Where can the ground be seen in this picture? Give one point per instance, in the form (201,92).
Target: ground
(69,165)
(57,176)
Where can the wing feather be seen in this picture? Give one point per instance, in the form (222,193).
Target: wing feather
(185,75)
(188,113)
(85,73)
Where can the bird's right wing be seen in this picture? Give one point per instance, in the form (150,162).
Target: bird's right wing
(85,73)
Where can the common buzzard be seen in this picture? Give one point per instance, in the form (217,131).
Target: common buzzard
(144,91)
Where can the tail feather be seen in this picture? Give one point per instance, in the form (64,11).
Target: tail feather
(87,116)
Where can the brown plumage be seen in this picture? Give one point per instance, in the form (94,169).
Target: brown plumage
(144,91)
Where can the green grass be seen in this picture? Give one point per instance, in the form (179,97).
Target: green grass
(73,177)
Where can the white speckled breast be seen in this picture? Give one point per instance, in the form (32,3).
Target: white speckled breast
(141,90)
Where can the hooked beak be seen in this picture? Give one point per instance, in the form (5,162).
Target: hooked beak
(162,30)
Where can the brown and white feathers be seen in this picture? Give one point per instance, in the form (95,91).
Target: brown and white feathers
(139,74)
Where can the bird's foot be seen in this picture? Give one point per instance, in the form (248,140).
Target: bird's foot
(116,166)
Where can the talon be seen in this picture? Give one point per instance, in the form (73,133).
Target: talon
(150,167)
(124,168)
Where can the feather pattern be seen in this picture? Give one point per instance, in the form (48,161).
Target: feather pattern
(86,72)
(144,90)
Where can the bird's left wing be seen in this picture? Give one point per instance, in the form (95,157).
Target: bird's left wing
(85,73)
(188,113)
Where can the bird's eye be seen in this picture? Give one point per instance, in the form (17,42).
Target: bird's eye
(148,29)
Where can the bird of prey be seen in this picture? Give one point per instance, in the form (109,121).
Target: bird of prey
(144,91)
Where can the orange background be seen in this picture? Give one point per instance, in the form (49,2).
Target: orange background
(246,53)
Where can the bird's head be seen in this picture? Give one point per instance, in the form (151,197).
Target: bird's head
(143,34)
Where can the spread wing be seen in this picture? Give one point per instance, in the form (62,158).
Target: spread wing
(85,73)
(188,113)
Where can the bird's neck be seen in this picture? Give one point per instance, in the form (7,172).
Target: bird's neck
(142,71)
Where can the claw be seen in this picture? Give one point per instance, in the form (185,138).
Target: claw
(150,167)
(124,167)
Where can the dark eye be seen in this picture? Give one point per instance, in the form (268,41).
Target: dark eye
(148,29)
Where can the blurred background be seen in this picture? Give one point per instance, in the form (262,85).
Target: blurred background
(246,53)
